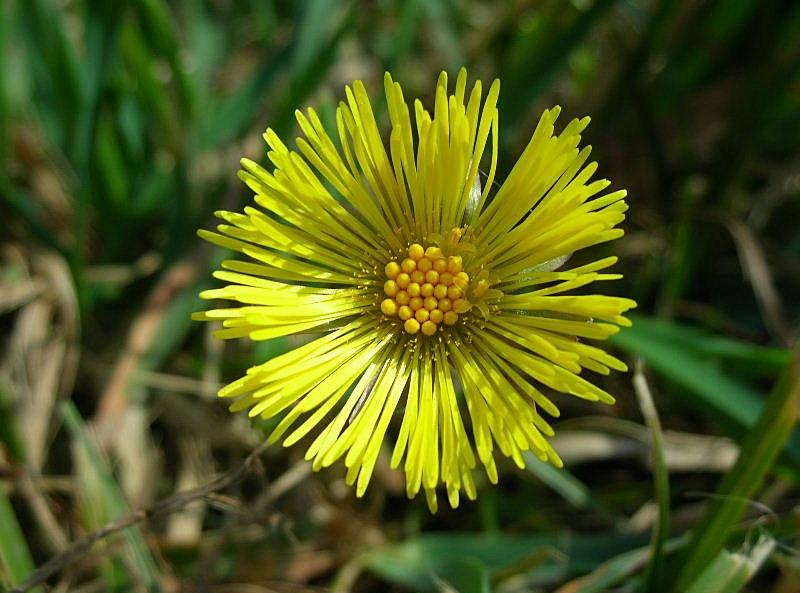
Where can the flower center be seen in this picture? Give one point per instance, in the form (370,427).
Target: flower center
(425,290)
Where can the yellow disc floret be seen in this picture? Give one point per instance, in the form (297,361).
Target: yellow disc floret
(429,328)
(425,289)
(389,307)
(390,288)
(424,265)
(433,252)
(450,318)
(392,270)
(416,252)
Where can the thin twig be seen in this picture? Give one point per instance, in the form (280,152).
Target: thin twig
(80,547)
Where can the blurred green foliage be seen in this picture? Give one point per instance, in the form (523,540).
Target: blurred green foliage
(121,125)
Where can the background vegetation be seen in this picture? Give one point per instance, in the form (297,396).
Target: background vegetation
(121,126)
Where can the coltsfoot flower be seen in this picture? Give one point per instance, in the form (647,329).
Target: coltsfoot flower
(421,284)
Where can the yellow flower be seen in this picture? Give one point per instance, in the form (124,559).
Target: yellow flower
(422,283)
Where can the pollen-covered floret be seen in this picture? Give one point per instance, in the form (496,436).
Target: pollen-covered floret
(425,290)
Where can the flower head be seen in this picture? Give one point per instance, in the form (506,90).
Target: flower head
(421,284)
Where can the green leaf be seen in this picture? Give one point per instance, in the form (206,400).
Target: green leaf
(422,562)
(616,569)
(463,576)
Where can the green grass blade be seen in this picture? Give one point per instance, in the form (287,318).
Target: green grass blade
(236,112)
(105,499)
(205,45)
(25,206)
(733,403)
(759,450)
(744,140)
(10,436)
(442,17)
(55,66)
(175,324)
(729,573)
(101,26)
(615,570)
(396,44)
(111,167)
(5,66)
(769,360)
(561,481)
(619,95)
(162,35)
(524,84)
(655,566)
(303,83)
(15,558)
(139,60)
(314,19)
